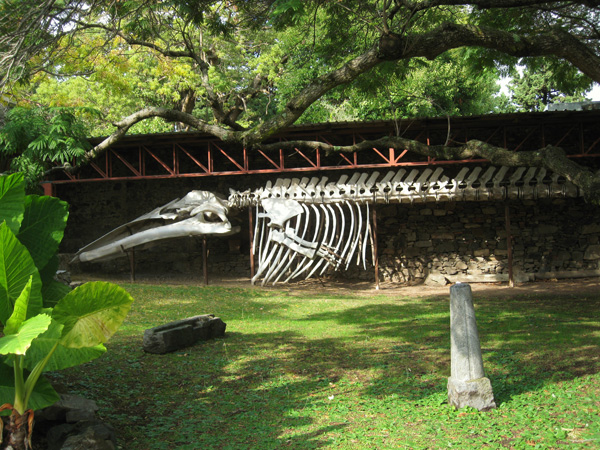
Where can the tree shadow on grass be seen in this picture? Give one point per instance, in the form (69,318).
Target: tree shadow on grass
(287,388)
(221,394)
(525,341)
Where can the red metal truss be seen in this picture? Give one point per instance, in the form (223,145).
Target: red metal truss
(185,154)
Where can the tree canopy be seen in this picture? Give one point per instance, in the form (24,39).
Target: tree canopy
(244,70)
(538,87)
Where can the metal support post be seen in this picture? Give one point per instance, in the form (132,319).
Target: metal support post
(251,235)
(205,261)
(511,278)
(375,253)
(131,254)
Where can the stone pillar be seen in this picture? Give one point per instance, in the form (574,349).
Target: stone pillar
(467,385)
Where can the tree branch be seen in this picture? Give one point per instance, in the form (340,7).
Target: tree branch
(494,4)
(307,96)
(171,115)
(551,158)
(448,36)
(430,45)
(138,42)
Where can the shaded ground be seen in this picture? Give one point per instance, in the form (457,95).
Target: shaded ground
(317,366)
(546,288)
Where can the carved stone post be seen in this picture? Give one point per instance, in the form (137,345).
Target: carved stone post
(467,385)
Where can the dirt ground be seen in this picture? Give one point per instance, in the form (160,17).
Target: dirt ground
(587,287)
(546,288)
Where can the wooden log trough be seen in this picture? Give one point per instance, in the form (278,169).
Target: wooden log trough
(183,333)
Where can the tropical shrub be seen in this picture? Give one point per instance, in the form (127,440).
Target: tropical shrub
(46,325)
(34,139)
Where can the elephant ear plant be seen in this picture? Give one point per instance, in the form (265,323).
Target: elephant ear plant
(44,325)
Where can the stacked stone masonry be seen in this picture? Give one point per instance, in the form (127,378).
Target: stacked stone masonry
(470,238)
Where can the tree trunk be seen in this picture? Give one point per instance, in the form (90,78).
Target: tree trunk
(186,105)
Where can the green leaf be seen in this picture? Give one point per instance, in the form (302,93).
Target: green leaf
(12,196)
(62,357)
(43,226)
(19,314)
(52,290)
(17,344)
(91,313)
(16,266)
(43,394)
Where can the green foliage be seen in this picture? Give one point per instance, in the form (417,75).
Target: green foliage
(543,83)
(42,228)
(285,43)
(420,88)
(37,337)
(238,64)
(36,138)
(13,201)
(18,270)
(122,82)
(286,12)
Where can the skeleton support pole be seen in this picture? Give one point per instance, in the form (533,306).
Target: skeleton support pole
(205,261)
(131,254)
(511,278)
(375,255)
(251,231)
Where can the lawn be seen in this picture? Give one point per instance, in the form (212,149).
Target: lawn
(308,370)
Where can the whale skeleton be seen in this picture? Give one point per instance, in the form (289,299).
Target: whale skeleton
(337,239)
(307,226)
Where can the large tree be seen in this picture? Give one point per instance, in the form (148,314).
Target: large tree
(246,70)
(537,87)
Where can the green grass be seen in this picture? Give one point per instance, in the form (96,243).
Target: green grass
(307,371)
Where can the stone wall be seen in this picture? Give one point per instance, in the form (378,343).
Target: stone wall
(458,239)
(416,242)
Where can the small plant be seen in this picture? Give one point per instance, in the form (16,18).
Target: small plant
(46,326)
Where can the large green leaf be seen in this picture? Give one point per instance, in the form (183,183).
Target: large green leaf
(12,197)
(91,313)
(62,357)
(48,272)
(52,290)
(19,314)
(18,343)
(43,393)
(16,267)
(43,226)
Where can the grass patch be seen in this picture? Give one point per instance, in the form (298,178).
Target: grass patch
(307,371)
